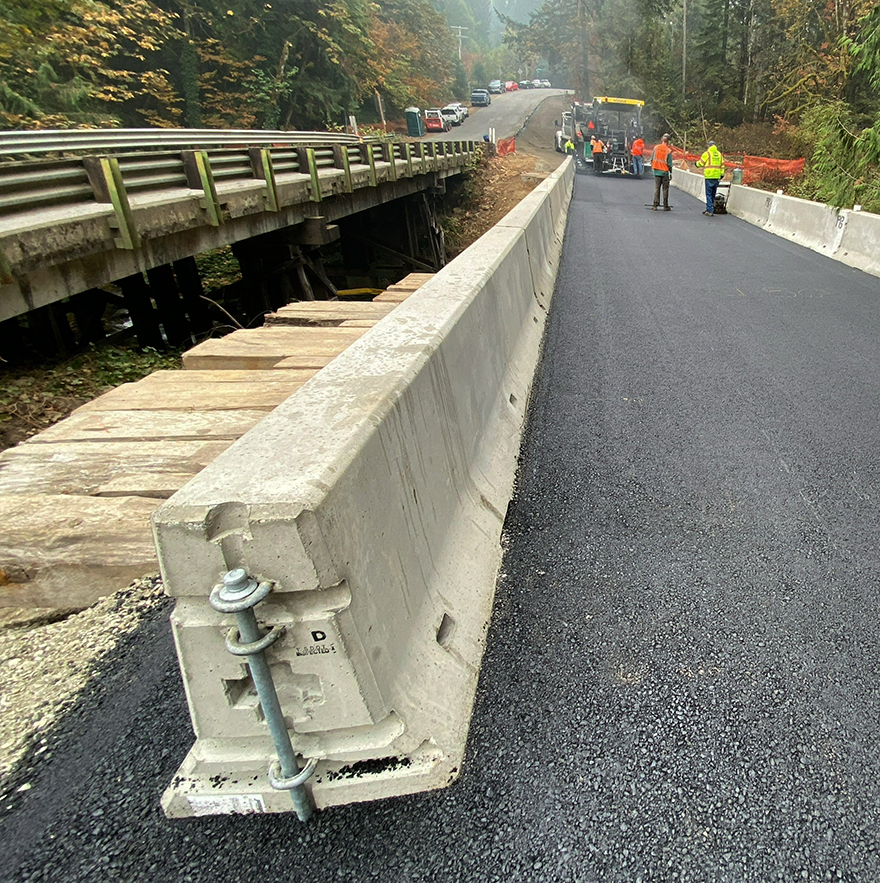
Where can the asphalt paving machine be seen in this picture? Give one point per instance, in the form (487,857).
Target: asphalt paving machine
(617,121)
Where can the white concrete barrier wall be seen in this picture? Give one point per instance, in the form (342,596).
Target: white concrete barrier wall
(808,223)
(689,182)
(860,241)
(750,204)
(845,235)
(373,499)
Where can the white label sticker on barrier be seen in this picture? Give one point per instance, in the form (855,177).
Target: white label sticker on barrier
(224,805)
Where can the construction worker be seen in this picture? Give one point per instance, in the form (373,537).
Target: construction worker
(569,146)
(598,146)
(637,149)
(661,163)
(713,164)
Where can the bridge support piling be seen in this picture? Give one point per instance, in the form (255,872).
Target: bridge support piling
(50,332)
(88,311)
(140,310)
(189,283)
(163,287)
(256,291)
(10,340)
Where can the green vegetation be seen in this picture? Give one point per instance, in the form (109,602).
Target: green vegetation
(239,64)
(33,397)
(218,268)
(87,374)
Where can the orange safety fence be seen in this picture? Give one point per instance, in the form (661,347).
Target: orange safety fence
(505,146)
(754,168)
(759,168)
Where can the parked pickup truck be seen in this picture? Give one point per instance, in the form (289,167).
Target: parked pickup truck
(480,98)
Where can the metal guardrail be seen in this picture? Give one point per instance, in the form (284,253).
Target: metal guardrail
(110,171)
(60,141)
(39,183)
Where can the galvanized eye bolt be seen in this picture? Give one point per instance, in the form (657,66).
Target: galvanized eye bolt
(239,594)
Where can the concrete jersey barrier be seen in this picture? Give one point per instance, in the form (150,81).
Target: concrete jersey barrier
(851,237)
(373,501)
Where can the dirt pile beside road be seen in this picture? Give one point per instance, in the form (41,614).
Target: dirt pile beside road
(501,182)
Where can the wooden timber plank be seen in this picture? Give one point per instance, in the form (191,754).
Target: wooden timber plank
(328,313)
(121,468)
(68,551)
(304,360)
(203,391)
(265,347)
(157,485)
(356,323)
(392,297)
(361,294)
(411,283)
(145,426)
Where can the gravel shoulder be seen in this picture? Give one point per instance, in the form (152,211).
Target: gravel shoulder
(47,664)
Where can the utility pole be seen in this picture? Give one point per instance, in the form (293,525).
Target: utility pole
(585,42)
(459,30)
(684,40)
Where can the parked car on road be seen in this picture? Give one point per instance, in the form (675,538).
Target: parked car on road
(435,121)
(480,98)
(526,84)
(537,84)
(453,114)
(511,86)
(465,113)
(495,87)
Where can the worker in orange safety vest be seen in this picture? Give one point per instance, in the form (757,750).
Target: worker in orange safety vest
(598,146)
(661,163)
(637,149)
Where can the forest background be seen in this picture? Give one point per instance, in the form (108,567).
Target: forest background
(779,77)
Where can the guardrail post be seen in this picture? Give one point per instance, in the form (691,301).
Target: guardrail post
(199,177)
(108,186)
(341,161)
(423,161)
(261,163)
(307,161)
(407,155)
(368,158)
(6,277)
(389,157)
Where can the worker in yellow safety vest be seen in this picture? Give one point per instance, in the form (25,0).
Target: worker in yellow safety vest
(712,162)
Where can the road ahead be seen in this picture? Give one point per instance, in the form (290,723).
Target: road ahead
(507,113)
(681,677)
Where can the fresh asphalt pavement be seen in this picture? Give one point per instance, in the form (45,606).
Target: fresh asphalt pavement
(680,682)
